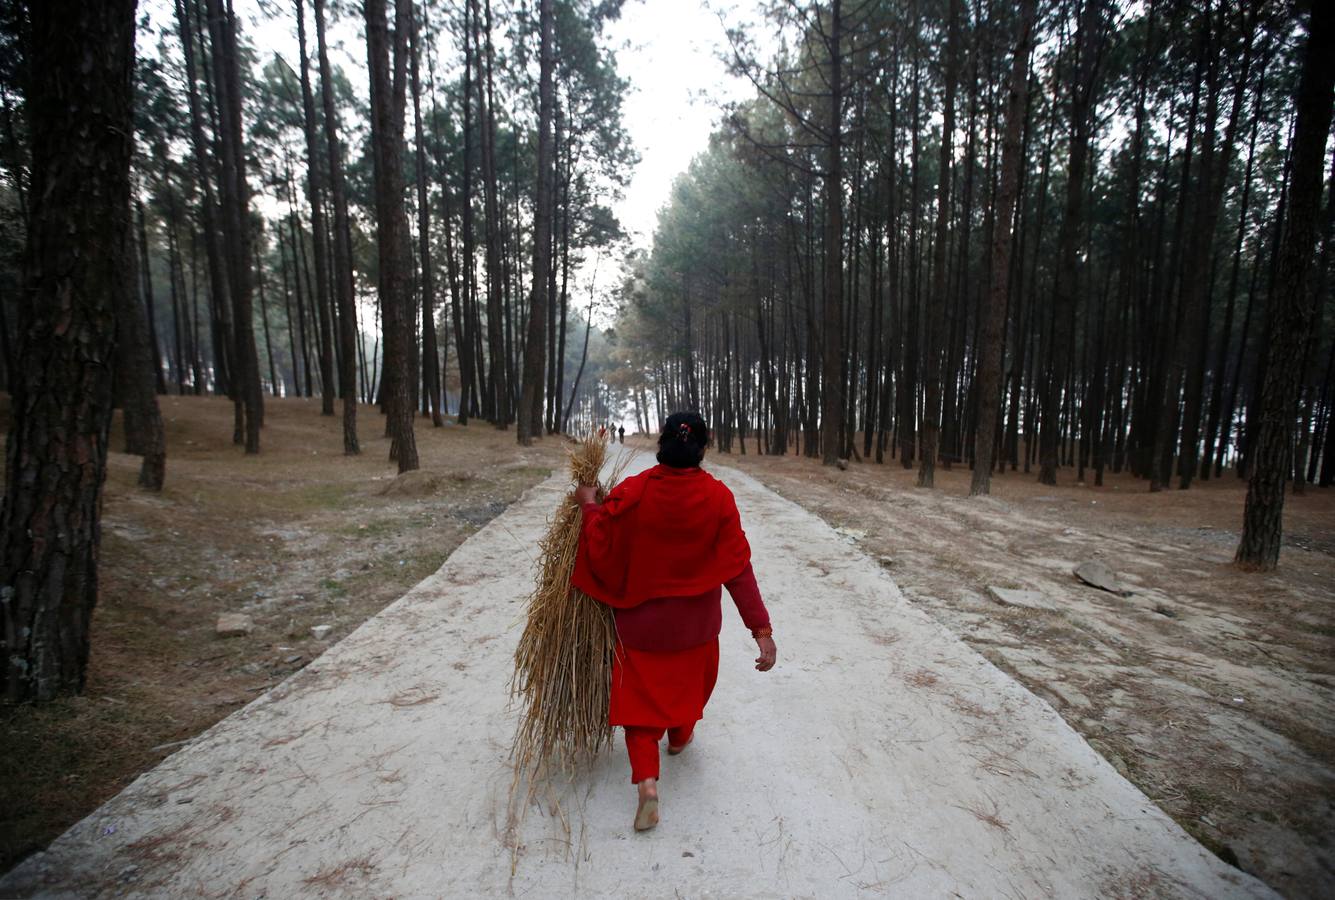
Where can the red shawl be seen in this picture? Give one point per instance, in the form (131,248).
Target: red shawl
(662,533)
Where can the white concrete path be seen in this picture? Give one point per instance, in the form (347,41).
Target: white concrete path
(881,757)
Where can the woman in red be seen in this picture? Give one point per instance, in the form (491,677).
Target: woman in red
(659,550)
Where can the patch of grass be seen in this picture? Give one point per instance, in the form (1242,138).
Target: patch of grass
(1201,797)
(320,496)
(529,472)
(333,587)
(1207,838)
(380,528)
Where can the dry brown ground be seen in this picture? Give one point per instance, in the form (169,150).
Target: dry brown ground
(1210,688)
(297,536)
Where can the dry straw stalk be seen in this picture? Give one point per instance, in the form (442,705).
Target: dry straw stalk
(563,663)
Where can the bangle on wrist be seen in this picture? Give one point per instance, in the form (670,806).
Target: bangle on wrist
(758,633)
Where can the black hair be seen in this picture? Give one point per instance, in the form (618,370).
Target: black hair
(683,441)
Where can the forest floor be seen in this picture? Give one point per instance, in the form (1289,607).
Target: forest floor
(1211,689)
(295,537)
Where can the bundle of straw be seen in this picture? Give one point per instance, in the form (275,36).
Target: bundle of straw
(563,664)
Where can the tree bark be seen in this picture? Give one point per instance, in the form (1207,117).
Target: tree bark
(832,326)
(430,361)
(219,289)
(146,276)
(388,101)
(76,277)
(315,196)
(496,401)
(994,307)
(343,289)
(530,398)
(936,319)
(1088,56)
(1290,309)
(236,220)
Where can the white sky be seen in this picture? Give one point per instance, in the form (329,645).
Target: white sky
(669,50)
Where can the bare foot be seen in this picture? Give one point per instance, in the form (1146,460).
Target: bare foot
(673,751)
(646,816)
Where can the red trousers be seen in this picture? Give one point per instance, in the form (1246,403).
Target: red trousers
(657,692)
(642,747)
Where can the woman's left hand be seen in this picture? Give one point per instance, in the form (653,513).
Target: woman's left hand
(768,653)
(586,493)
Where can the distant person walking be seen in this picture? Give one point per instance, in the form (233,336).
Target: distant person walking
(621,433)
(658,550)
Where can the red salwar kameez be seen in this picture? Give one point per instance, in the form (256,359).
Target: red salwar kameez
(658,550)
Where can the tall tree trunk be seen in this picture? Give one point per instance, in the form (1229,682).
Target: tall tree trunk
(219,289)
(936,319)
(315,196)
(343,289)
(1220,375)
(994,307)
(907,414)
(1089,43)
(236,221)
(388,101)
(563,316)
(146,276)
(535,343)
(470,355)
(583,357)
(1214,174)
(180,321)
(77,277)
(430,361)
(497,401)
(832,326)
(264,318)
(1290,309)
(136,387)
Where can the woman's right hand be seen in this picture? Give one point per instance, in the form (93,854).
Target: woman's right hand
(768,653)
(586,493)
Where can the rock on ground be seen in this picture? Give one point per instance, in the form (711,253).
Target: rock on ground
(1096,573)
(234,625)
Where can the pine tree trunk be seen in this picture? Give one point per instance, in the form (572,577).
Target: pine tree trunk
(994,308)
(1089,50)
(530,398)
(1291,309)
(264,318)
(236,222)
(388,102)
(931,424)
(1211,195)
(219,288)
(430,367)
(315,196)
(342,270)
(1221,363)
(832,328)
(150,320)
(496,402)
(78,277)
